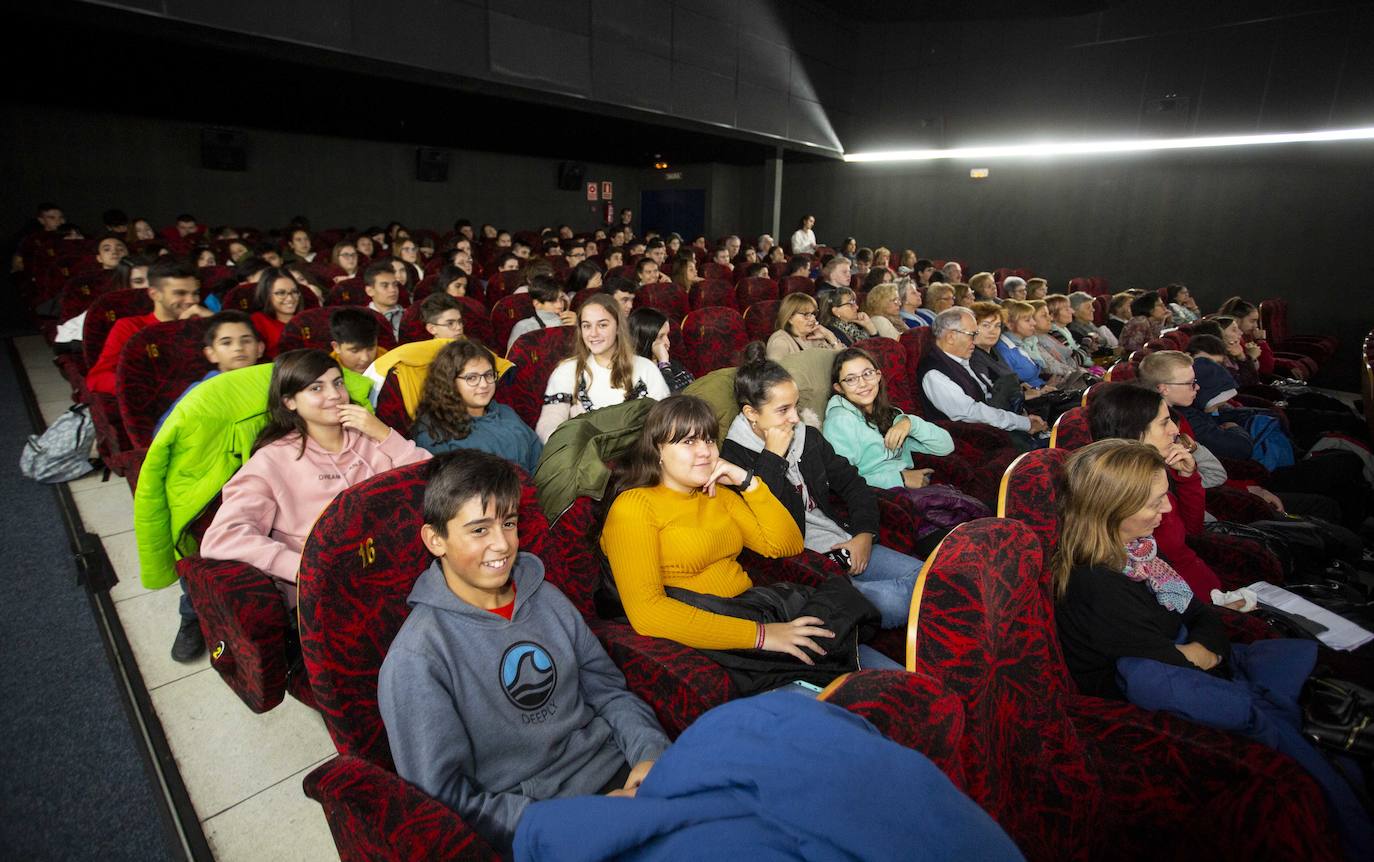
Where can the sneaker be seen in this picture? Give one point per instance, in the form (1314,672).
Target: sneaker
(190,643)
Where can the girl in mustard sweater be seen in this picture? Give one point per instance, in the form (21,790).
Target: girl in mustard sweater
(674,527)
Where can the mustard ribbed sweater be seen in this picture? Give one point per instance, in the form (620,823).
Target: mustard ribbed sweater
(656,537)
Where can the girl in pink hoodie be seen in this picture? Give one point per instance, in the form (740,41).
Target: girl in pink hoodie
(316,443)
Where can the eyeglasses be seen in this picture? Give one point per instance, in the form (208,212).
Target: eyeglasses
(851,303)
(810,314)
(1192,383)
(474,379)
(851,380)
(285,294)
(454,325)
(965,332)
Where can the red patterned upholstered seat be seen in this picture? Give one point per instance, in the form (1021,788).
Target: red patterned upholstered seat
(507,312)
(797,284)
(240,298)
(357,569)
(110,437)
(1274,318)
(752,290)
(712,338)
(348,292)
(760,318)
(246,628)
(710,293)
(501,284)
(81,290)
(717,270)
(1071,430)
(535,355)
(665,297)
(916,342)
(310,328)
(1074,777)
(156,367)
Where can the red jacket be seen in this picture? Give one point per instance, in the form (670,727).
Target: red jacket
(271,331)
(101,377)
(1188,501)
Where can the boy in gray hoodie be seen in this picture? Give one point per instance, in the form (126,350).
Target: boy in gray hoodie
(495,693)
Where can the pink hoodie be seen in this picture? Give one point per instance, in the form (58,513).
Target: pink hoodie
(271,504)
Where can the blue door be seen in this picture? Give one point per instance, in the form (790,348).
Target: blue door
(680,211)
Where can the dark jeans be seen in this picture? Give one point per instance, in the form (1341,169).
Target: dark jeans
(188,613)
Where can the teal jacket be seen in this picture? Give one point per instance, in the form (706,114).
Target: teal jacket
(851,436)
(203,442)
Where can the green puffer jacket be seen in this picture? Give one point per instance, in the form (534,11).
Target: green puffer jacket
(574,461)
(205,440)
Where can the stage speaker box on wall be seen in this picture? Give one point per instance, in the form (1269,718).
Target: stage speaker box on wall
(570,176)
(223,150)
(431,165)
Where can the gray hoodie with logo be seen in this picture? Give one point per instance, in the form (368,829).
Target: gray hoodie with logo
(488,715)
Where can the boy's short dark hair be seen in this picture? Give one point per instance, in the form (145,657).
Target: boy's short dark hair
(798,264)
(169,267)
(504,257)
(434,306)
(1204,343)
(186,217)
(249,267)
(376,268)
(619,284)
(223,318)
(355,326)
(643,264)
(545,288)
(458,477)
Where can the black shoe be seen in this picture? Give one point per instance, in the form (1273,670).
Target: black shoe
(190,643)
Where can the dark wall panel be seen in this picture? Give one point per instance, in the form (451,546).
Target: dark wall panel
(1286,222)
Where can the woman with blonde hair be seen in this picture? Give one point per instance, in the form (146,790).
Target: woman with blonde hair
(603,370)
(798,328)
(885,310)
(882,258)
(1132,629)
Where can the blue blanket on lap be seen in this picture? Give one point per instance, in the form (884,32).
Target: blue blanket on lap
(773,777)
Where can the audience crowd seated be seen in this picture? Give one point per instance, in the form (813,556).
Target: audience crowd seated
(804,454)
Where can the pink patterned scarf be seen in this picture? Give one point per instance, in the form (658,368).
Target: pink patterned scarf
(1143,564)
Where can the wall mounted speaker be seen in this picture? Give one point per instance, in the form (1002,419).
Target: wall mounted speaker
(431,165)
(223,150)
(570,176)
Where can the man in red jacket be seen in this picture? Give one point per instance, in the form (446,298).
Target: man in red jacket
(175,292)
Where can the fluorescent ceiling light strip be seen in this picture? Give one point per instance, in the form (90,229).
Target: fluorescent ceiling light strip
(1071,148)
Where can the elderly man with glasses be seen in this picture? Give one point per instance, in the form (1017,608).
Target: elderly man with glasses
(950,388)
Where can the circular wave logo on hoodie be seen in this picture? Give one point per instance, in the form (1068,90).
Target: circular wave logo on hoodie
(528,675)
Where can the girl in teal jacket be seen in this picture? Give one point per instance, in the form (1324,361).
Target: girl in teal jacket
(878,439)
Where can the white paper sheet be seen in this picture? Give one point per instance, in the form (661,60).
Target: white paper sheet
(1340,632)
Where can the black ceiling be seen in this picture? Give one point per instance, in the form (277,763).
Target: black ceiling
(124,63)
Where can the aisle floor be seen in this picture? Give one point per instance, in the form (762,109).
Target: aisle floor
(243,771)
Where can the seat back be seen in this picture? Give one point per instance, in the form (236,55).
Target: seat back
(1028,495)
(898,372)
(358,566)
(917,341)
(501,284)
(81,290)
(982,624)
(239,298)
(310,328)
(348,292)
(156,366)
(712,338)
(752,290)
(508,311)
(1122,370)
(1274,319)
(476,325)
(101,317)
(1100,304)
(710,293)
(574,542)
(714,270)
(759,319)
(798,284)
(1071,430)
(665,297)
(535,355)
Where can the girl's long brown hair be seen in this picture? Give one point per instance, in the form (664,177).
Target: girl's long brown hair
(671,420)
(883,414)
(1102,485)
(292,371)
(623,359)
(442,412)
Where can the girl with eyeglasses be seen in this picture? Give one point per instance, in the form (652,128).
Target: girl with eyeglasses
(457,411)
(866,429)
(276,301)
